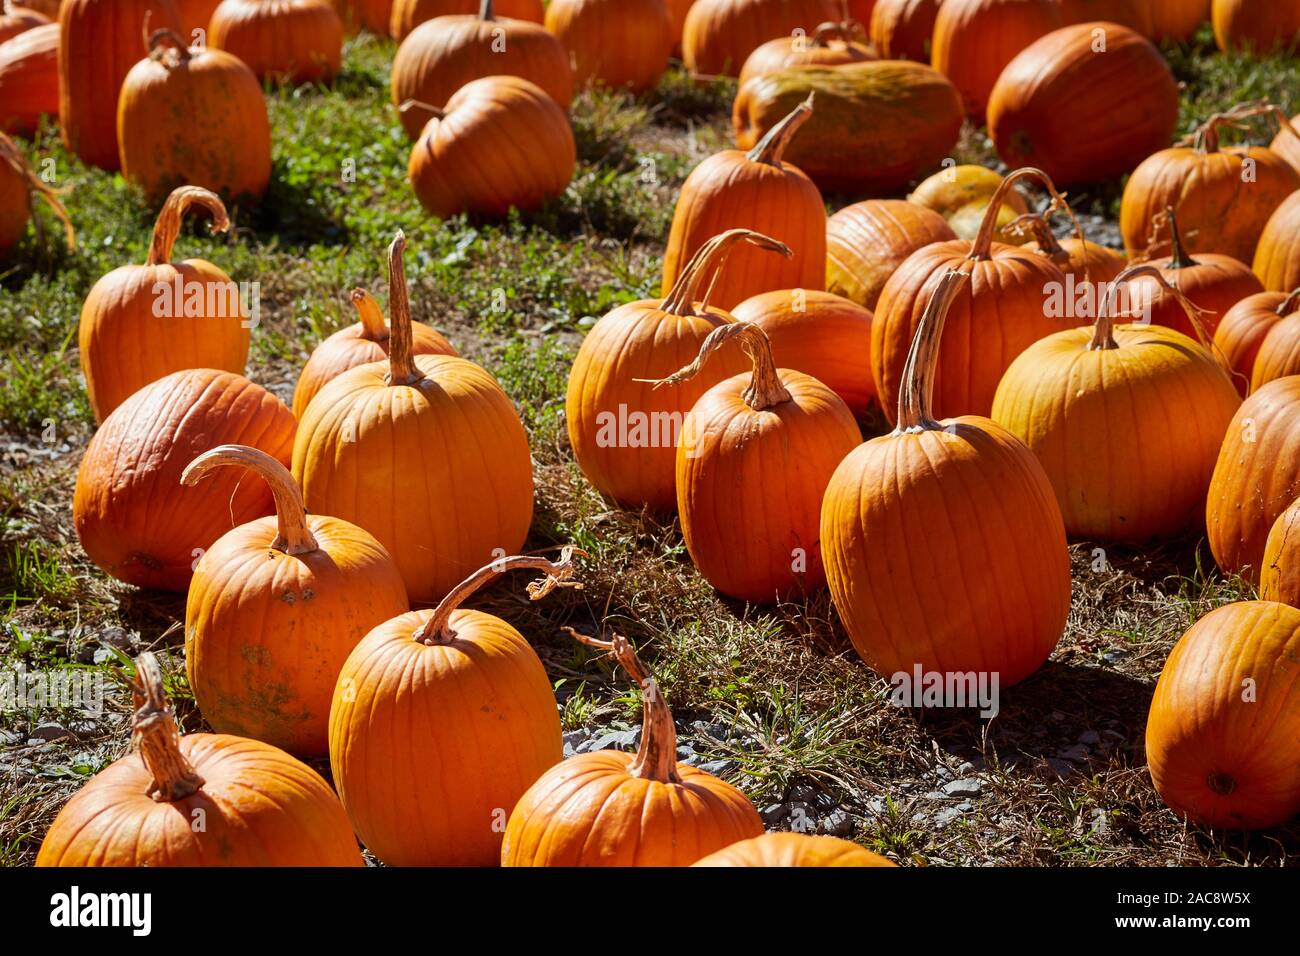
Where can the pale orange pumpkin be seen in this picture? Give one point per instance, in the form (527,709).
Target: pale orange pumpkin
(1279,352)
(1287,142)
(1279,579)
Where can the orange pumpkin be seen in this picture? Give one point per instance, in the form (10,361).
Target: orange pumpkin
(1244,328)
(831,44)
(903,29)
(29,79)
(449,702)
(1084,103)
(948,494)
(622,44)
(1176,19)
(18,184)
(407,15)
(961,194)
(677,11)
(198,800)
(1223,735)
(298,41)
(16,19)
(611,808)
(1287,141)
(719,35)
(754,190)
(624,432)
(1261,26)
(1279,352)
(189,313)
(371,15)
(1277,257)
(501,143)
(359,344)
(442,55)
(1279,579)
(195,15)
(1134,14)
(162,148)
(133,517)
(793,849)
(275,608)
(366,433)
(1089,264)
(867,241)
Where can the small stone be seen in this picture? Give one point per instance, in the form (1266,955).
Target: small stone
(967,768)
(50,730)
(1076,754)
(837,823)
(946,816)
(717,767)
(965,787)
(943,772)
(936,795)
(774,814)
(1090,737)
(802,793)
(1062,768)
(610,740)
(965,806)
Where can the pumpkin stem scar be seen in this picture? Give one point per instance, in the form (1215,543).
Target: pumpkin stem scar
(765,387)
(1221,783)
(708,262)
(293,536)
(771,147)
(155,737)
(915,398)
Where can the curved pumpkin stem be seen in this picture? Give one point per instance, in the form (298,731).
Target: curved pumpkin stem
(709,261)
(765,388)
(293,536)
(155,737)
(1035,225)
(1290,303)
(13,157)
(981,248)
(1103,331)
(1206,136)
(656,757)
(168,225)
(373,326)
(402,369)
(916,397)
(437,629)
(772,146)
(844,30)
(162,42)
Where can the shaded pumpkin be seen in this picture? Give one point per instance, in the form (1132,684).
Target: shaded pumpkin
(1176,19)
(1245,326)
(611,808)
(621,44)
(29,79)
(1277,257)
(373,16)
(1134,14)
(949,494)
(1279,351)
(961,194)
(16,19)
(903,29)
(719,35)
(793,849)
(296,41)
(1261,26)
(831,44)
(141,322)
(1279,579)
(18,184)
(407,15)
(1091,265)
(160,146)
(134,518)
(450,702)
(677,12)
(1287,142)
(195,15)
(867,241)
(367,433)
(754,190)
(198,800)
(275,608)
(1223,734)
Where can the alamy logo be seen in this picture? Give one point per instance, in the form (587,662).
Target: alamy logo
(946,689)
(637,429)
(181,299)
(75,909)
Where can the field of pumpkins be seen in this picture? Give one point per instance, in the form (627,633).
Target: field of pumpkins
(649,432)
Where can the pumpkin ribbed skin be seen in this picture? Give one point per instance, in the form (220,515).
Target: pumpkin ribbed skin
(442,55)
(622,44)
(821,334)
(1134,14)
(1079,114)
(677,12)
(867,241)
(372,15)
(16,19)
(875,126)
(160,146)
(1287,144)
(1279,353)
(1176,19)
(793,849)
(133,517)
(195,15)
(1280,578)
(299,41)
(29,79)
(1277,257)
(1213,282)
(1258,25)
(259,807)
(902,29)
(1223,735)
(719,35)
(407,15)
(1256,477)
(836,48)
(99,42)
(502,143)
(975,39)
(1244,328)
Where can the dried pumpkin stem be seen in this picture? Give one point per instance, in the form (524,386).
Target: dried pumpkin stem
(1035,224)
(155,737)
(772,146)
(982,247)
(168,225)
(656,757)
(485,10)
(373,326)
(1178,255)
(708,262)
(1206,136)
(765,388)
(402,369)
(13,157)
(916,398)
(293,536)
(161,42)
(1289,304)
(844,30)
(437,629)
(408,105)
(1103,336)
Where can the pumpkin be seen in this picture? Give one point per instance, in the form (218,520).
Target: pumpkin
(756,453)
(18,184)
(621,44)
(500,143)
(1084,103)
(1176,19)
(442,55)
(878,125)
(1070,397)
(719,35)
(677,12)
(1222,198)
(1244,328)
(961,194)
(1134,14)
(441,417)
(16,20)
(407,15)
(1256,477)
(198,800)
(754,190)
(903,29)
(1215,283)
(623,431)
(1085,261)
(360,344)
(195,15)
(821,334)
(29,79)
(99,42)
(1007,306)
(449,702)
(1279,352)
(1279,579)
(867,241)
(1261,26)
(1223,735)
(297,41)
(793,849)
(133,517)
(372,15)
(48,8)
(1277,257)
(140,323)
(975,39)
(832,44)
(611,808)
(859,10)
(986,583)
(1287,141)
(229,152)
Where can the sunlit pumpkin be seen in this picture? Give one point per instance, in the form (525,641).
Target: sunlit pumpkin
(17,18)
(1277,257)
(903,29)
(18,184)
(831,44)
(1261,26)
(1090,265)
(1176,19)
(961,194)
(794,849)
(407,15)
(29,79)
(298,41)
(1279,352)
(1287,142)
(719,35)
(1245,326)
(1279,579)
(867,241)
(621,44)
